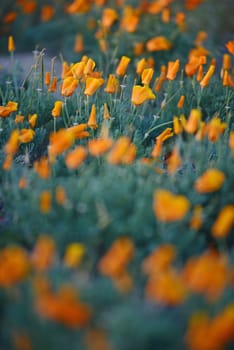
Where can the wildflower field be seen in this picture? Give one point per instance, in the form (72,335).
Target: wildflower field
(116,175)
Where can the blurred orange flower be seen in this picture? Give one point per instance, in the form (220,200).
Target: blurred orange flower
(169,207)
(211,180)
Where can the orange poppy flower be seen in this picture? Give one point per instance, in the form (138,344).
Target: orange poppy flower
(122,66)
(68,86)
(109,16)
(215,128)
(224,222)
(193,121)
(60,142)
(19,119)
(11,107)
(63,307)
(92,122)
(169,207)
(200,38)
(53,85)
(106,113)
(32,120)
(138,48)
(78,6)
(11,44)
(47,78)
(45,202)
(174,161)
(130,155)
(197,218)
(158,43)
(180,103)
(119,149)
(47,13)
(56,111)
(42,167)
(76,157)
(130,19)
(79,44)
(167,288)
(97,147)
(60,195)
(77,69)
(26,135)
(92,85)
(173,68)
(206,79)
(159,81)
(44,251)
(78,131)
(199,274)
(211,180)
(159,260)
(141,94)
(177,126)
(230,46)
(10,17)
(114,262)
(192,4)
(227,63)
(147,75)
(14,266)
(12,145)
(112,85)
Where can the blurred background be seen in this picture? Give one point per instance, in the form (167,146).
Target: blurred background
(46,23)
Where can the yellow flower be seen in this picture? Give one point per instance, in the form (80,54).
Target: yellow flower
(169,207)
(140,94)
(73,255)
(211,180)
